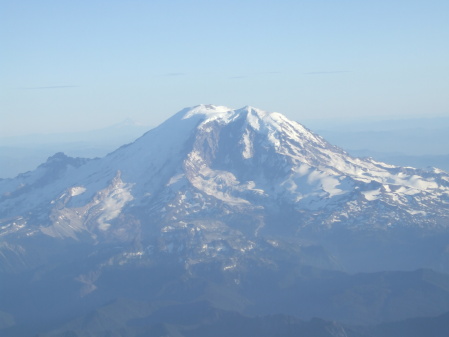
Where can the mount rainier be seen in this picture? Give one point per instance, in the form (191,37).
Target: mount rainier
(224,173)
(214,161)
(219,191)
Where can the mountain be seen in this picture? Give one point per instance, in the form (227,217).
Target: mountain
(418,161)
(193,319)
(415,327)
(243,208)
(416,142)
(24,153)
(418,147)
(231,176)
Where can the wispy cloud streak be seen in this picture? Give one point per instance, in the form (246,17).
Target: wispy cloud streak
(327,72)
(51,87)
(262,73)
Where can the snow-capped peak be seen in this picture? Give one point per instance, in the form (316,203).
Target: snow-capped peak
(216,159)
(206,111)
(210,112)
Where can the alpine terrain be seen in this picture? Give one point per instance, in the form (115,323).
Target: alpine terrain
(233,219)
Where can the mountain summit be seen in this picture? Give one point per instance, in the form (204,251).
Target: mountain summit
(214,182)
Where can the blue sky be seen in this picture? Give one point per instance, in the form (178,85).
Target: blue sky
(79,65)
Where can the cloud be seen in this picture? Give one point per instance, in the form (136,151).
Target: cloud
(327,72)
(51,87)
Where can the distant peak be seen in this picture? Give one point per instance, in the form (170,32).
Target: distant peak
(128,121)
(58,156)
(61,159)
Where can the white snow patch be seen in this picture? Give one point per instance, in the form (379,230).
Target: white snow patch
(414,212)
(175,179)
(407,190)
(167,229)
(248,150)
(273,139)
(330,184)
(216,183)
(372,195)
(230,267)
(253,120)
(113,203)
(133,254)
(303,169)
(327,182)
(208,111)
(274,243)
(74,191)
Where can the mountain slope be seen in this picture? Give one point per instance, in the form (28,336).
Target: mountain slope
(244,157)
(226,181)
(192,319)
(228,206)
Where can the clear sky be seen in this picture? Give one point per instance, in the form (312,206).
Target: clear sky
(79,65)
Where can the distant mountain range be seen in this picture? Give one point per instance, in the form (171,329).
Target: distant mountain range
(24,153)
(242,210)
(416,147)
